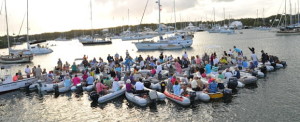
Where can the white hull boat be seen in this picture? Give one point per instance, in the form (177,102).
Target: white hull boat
(111,95)
(9,85)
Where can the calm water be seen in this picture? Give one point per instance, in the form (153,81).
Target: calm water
(274,99)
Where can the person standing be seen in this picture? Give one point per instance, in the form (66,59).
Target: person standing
(38,72)
(33,71)
(27,71)
(254,59)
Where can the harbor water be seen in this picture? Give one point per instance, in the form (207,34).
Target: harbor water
(275,98)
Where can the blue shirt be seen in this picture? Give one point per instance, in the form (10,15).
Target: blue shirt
(90,80)
(67,83)
(208,68)
(245,64)
(213,87)
(176,89)
(238,50)
(118,69)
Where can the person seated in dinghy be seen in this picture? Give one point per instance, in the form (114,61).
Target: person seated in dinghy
(153,71)
(15,78)
(183,90)
(236,73)
(139,88)
(76,80)
(101,88)
(194,84)
(20,77)
(90,80)
(115,85)
(67,81)
(213,86)
(129,86)
(176,89)
(228,74)
(220,86)
(106,81)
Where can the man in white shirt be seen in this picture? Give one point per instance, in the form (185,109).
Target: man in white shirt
(27,71)
(228,74)
(115,86)
(158,68)
(185,55)
(194,83)
(254,59)
(139,86)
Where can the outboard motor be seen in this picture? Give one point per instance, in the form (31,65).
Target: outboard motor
(263,69)
(79,89)
(227,95)
(27,87)
(232,84)
(153,96)
(192,96)
(254,73)
(159,76)
(56,90)
(163,86)
(147,84)
(94,96)
(283,63)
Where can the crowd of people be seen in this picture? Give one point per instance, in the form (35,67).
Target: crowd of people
(116,69)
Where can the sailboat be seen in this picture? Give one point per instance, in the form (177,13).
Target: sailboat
(92,40)
(13,58)
(292,29)
(175,41)
(35,49)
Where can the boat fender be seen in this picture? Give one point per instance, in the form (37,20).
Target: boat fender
(192,95)
(94,96)
(79,88)
(227,95)
(147,84)
(153,95)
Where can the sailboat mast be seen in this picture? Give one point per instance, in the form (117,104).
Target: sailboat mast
(224,16)
(91,18)
(285,21)
(7,27)
(174,15)
(291,16)
(263,16)
(214,17)
(159,28)
(298,13)
(27,36)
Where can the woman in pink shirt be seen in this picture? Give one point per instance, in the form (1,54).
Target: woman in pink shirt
(100,88)
(198,60)
(76,80)
(178,67)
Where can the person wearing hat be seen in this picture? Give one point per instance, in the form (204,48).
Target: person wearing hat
(129,86)
(200,84)
(220,84)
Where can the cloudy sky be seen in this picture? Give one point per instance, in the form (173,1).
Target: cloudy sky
(63,15)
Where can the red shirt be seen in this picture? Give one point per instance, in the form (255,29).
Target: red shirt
(76,80)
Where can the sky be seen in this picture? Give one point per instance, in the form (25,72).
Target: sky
(64,15)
